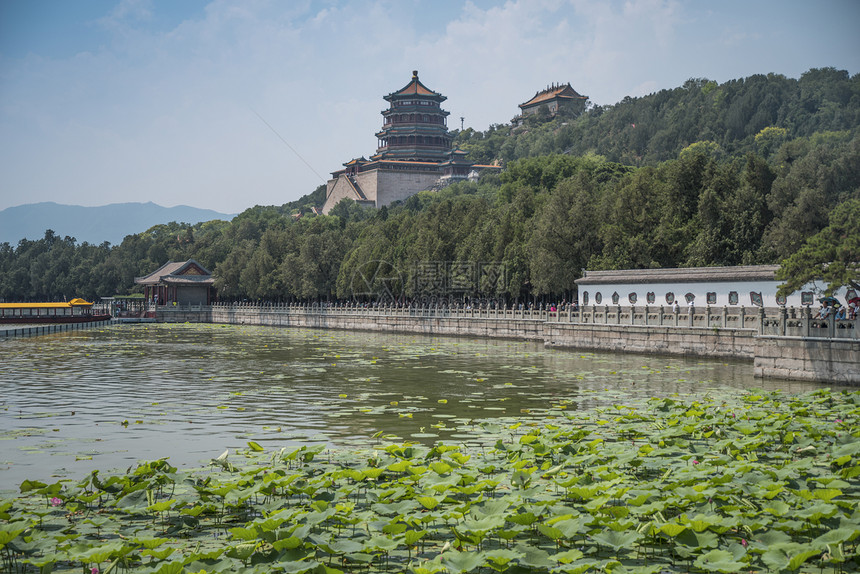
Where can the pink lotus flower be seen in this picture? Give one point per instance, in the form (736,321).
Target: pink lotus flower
(94,570)
(695,461)
(744,542)
(56,501)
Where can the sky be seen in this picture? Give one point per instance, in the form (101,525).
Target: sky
(227,104)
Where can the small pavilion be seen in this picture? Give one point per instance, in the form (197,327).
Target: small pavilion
(180,282)
(555,98)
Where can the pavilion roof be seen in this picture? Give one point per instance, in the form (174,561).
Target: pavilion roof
(563,92)
(178,273)
(415,88)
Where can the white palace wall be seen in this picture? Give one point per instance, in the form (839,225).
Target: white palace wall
(767,289)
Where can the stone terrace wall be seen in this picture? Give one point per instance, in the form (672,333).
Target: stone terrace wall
(808,358)
(772,347)
(696,341)
(528,329)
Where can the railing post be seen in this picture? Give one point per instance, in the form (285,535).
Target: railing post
(761,318)
(725,318)
(807,319)
(783,319)
(677,313)
(742,317)
(831,325)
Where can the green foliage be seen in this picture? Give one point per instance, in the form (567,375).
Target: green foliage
(655,128)
(832,255)
(734,483)
(744,172)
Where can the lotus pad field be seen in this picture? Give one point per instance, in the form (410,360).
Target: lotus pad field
(742,482)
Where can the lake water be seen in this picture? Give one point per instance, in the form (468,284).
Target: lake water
(105,398)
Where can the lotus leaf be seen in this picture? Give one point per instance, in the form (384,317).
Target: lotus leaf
(788,555)
(533,556)
(462,561)
(616,540)
(719,561)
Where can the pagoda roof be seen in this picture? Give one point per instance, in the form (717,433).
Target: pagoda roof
(408,162)
(415,88)
(456,156)
(178,273)
(552,92)
(377,162)
(414,129)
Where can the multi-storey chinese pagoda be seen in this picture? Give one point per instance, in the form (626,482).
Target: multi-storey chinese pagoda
(414,153)
(415,127)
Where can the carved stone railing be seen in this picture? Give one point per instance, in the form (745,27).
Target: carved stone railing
(780,321)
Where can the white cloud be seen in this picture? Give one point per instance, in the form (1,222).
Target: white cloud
(167,112)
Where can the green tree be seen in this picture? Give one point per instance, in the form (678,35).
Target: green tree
(563,237)
(831,255)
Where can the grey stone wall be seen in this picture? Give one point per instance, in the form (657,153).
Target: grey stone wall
(369,184)
(382,186)
(724,343)
(190,295)
(695,341)
(398,185)
(808,358)
(336,189)
(457,326)
(800,358)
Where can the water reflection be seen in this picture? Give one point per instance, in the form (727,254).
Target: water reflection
(106,398)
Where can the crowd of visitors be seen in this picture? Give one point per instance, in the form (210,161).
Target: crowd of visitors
(830,306)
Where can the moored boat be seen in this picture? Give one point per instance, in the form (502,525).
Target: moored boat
(74,311)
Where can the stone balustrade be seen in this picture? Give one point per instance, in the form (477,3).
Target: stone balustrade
(781,321)
(787,343)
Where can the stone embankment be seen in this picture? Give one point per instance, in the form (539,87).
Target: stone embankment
(781,343)
(10,331)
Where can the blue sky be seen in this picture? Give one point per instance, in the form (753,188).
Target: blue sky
(107,101)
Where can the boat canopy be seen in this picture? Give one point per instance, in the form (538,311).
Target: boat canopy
(77,302)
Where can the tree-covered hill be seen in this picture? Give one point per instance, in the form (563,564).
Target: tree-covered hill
(750,171)
(754,114)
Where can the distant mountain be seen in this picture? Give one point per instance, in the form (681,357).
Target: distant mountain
(94,224)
